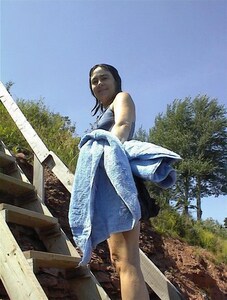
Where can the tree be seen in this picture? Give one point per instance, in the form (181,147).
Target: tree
(197,130)
(225,222)
(141,135)
(8,86)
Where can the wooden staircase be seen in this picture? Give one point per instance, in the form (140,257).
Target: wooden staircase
(23,203)
(20,204)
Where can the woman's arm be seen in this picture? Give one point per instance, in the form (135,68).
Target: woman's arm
(124,115)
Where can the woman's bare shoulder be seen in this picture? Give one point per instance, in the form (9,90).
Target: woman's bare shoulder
(123,98)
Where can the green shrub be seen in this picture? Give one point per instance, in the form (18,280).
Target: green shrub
(57,132)
(207,234)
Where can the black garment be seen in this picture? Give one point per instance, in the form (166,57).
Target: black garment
(148,206)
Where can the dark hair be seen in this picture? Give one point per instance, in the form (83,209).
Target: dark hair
(116,77)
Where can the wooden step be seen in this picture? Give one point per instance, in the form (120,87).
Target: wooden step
(14,186)
(27,217)
(20,287)
(39,259)
(7,163)
(52,260)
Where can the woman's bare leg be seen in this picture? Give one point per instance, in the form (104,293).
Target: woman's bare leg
(124,251)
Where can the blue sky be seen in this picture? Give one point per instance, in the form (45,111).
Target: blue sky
(163,50)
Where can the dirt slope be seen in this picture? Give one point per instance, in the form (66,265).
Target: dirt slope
(191,271)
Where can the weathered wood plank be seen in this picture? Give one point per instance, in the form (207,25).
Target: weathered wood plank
(38,178)
(3,146)
(6,159)
(60,170)
(24,126)
(85,287)
(15,272)
(157,281)
(52,260)
(14,186)
(26,217)
(35,142)
(7,164)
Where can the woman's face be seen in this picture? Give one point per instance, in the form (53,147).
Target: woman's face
(103,86)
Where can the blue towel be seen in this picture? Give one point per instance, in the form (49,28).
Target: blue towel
(104,197)
(152,162)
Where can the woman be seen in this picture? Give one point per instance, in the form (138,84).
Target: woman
(118,117)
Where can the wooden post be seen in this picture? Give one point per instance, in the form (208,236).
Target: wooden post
(38,178)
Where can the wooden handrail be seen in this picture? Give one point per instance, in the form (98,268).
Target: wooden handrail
(39,148)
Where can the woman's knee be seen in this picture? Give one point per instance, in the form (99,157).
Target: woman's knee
(124,260)
(117,261)
(122,264)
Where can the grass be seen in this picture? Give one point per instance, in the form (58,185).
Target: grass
(207,234)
